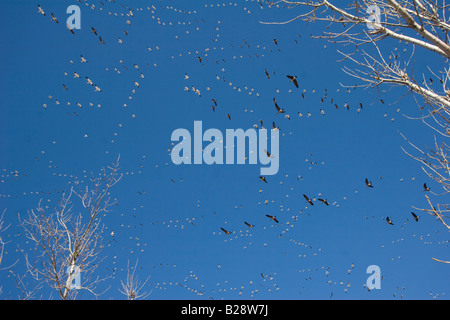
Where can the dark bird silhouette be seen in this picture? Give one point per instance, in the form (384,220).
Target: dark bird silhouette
(308,199)
(293,79)
(275,41)
(267,74)
(94,31)
(279,110)
(389,221)
(248,224)
(263,179)
(425,187)
(272,217)
(369,183)
(324,201)
(274,126)
(268,154)
(101,40)
(226,232)
(415,216)
(215,102)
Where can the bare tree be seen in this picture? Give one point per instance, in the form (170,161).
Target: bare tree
(2,242)
(67,244)
(27,290)
(133,288)
(369,27)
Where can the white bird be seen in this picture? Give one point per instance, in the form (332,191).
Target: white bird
(40,10)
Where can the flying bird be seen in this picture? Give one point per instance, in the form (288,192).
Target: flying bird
(267,74)
(226,232)
(279,110)
(89,81)
(263,179)
(293,79)
(324,201)
(415,216)
(389,221)
(40,10)
(272,217)
(308,199)
(425,187)
(93,30)
(369,183)
(70,29)
(268,154)
(248,224)
(274,126)
(54,18)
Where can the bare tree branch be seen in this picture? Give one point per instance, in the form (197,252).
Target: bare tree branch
(67,247)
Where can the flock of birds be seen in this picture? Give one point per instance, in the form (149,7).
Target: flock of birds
(212,56)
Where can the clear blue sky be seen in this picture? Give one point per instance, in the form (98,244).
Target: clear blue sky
(48,147)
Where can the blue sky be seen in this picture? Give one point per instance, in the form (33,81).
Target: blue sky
(173,229)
